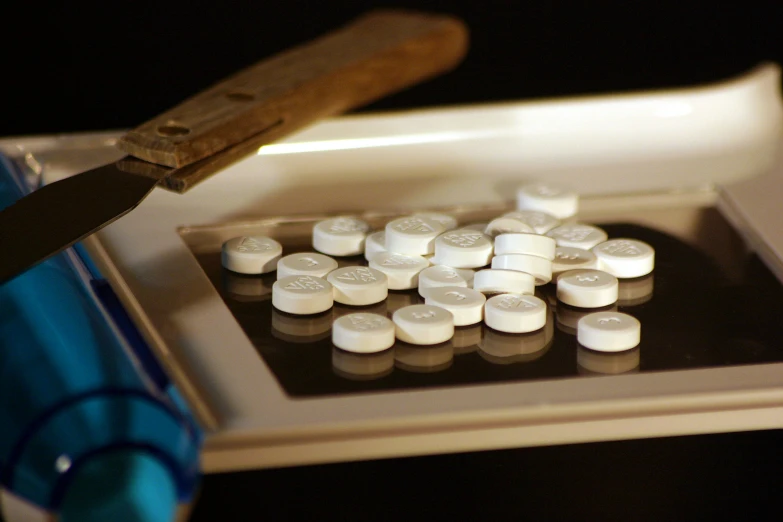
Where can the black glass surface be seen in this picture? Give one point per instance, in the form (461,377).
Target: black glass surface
(697,315)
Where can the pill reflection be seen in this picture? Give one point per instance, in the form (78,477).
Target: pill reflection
(362,366)
(466,338)
(396,300)
(568,316)
(423,359)
(633,292)
(247,287)
(504,348)
(547,294)
(591,362)
(343,262)
(301,329)
(339,310)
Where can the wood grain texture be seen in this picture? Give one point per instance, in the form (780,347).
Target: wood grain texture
(376,55)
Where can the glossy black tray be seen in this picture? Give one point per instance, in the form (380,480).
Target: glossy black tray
(694,314)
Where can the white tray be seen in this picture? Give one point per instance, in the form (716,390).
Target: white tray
(651,157)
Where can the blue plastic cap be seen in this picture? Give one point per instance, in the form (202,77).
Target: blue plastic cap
(122,486)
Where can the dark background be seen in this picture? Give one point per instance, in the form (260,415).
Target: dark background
(73,66)
(76,66)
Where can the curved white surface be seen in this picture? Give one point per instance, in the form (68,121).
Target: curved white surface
(358,285)
(557,200)
(515,313)
(402,271)
(305,263)
(499,281)
(609,331)
(423,324)
(363,333)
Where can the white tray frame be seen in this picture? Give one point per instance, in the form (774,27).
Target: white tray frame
(685,148)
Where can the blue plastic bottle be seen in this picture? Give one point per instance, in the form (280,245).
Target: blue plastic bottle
(85,432)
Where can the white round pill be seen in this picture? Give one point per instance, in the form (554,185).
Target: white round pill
(530,244)
(538,267)
(423,324)
(340,236)
(506,225)
(465,304)
(374,244)
(463,248)
(412,235)
(498,281)
(570,258)
(577,235)
(587,288)
(441,275)
(251,254)
(402,271)
(447,222)
(548,198)
(540,222)
(515,313)
(363,333)
(302,295)
(358,285)
(608,331)
(363,366)
(305,263)
(625,258)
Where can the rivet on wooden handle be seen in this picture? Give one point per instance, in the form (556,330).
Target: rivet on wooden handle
(376,55)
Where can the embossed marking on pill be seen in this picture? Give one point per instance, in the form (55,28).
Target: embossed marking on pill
(621,248)
(304,283)
(515,302)
(463,240)
(248,244)
(574,233)
(365,322)
(360,274)
(414,225)
(535,219)
(395,260)
(346,225)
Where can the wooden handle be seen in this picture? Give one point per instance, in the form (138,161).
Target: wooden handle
(377,54)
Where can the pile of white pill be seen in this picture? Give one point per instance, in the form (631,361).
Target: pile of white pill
(466,274)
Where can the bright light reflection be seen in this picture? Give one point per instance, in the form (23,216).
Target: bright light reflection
(381,141)
(673,110)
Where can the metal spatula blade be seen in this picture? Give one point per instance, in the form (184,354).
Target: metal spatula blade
(56,216)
